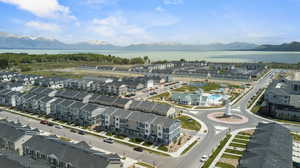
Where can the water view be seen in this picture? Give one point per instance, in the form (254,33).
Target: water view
(215,56)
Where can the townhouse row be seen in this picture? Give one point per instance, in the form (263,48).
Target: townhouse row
(24,147)
(147,126)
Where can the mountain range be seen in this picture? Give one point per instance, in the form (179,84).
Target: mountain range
(11,41)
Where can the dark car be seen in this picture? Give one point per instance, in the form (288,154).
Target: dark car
(44,122)
(73,130)
(50,124)
(108,140)
(139,149)
(81,132)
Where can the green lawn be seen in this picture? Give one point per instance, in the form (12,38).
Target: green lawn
(242,137)
(147,144)
(120,137)
(224,165)
(216,152)
(228,156)
(240,141)
(55,74)
(189,123)
(135,140)
(186,88)
(255,109)
(144,164)
(238,145)
(211,86)
(165,95)
(296,137)
(163,148)
(234,151)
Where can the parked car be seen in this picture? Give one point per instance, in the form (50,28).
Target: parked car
(73,130)
(81,132)
(108,140)
(58,126)
(44,122)
(50,124)
(202,160)
(139,149)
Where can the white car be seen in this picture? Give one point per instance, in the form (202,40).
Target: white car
(204,157)
(202,160)
(58,126)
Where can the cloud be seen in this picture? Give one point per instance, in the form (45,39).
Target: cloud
(160,9)
(42,8)
(41,26)
(117,29)
(172,2)
(102,2)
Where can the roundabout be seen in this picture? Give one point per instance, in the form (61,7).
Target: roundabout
(232,119)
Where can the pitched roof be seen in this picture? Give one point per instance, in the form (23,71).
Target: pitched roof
(79,156)
(270,146)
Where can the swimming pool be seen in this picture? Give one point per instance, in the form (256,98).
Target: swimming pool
(215,97)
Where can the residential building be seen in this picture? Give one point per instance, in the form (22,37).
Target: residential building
(13,135)
(145,126)
(60,154)
(153,107)
(283,98)
(270,146)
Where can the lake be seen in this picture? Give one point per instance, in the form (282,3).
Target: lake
(214,56)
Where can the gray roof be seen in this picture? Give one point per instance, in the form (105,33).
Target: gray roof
(142,117)
(9,159)
(165,122)
(13,131)
(78,155)
(124,114)
(6,162)
(78,105)
(67,103)
(270,146)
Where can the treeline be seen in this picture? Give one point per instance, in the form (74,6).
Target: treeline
(15,59)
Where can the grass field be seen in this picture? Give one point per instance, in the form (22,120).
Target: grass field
(234,151)
(224,165)
(189,123)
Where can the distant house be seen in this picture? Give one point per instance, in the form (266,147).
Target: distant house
(8,97)
(192,98)
(54,83)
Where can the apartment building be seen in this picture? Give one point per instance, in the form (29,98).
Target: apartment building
(283,98)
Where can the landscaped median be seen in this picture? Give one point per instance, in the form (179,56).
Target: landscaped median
(213,156)
(235,150)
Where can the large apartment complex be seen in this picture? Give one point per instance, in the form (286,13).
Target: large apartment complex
(145,120)
(283,98)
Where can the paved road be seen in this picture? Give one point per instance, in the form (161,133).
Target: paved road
(216,132)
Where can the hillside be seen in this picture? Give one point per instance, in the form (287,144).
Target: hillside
(293,46)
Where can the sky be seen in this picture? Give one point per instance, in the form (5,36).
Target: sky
(126,22)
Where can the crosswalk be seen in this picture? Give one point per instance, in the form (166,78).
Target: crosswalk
(220,129)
